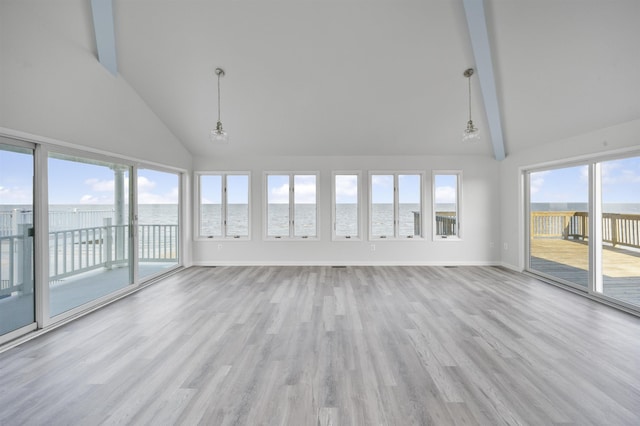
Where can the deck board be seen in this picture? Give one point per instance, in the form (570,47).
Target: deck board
(569,260)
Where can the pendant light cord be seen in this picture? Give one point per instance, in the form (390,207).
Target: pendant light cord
(218,96)
(469,78)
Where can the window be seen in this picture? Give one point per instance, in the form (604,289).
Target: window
(103,225)
(584,227)
(559,222)
(619,245)
(17,297)
(90,239)
(291,205)
(158,221)
(346,205)
(395,207)
(446,204)
(224,205)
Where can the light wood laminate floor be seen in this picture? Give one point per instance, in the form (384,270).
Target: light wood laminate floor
(341,346)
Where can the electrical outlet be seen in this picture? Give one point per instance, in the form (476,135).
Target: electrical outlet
(219,247)
(372,247)
(506,246)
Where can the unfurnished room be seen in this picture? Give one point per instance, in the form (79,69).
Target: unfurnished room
(384,212)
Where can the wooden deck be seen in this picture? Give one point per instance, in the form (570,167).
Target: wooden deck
(569,260)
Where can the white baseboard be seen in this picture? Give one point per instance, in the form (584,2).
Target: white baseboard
(340,263)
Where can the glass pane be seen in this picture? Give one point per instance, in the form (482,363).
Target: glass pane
(346,205)
(559,226)
(238,205)
(446,204)
(382,215)
(16,241)
(158,213)
(211,205)
(88,231)
(278,205)
(409,205)
(621,229)
(305,205)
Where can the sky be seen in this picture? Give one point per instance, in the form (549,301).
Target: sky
(211,189)
(446,189)
(304,189)
(620,183)
(73,182)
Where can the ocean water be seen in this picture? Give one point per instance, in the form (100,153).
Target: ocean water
(305,219)
(624,208)
(83,216)
(77,216)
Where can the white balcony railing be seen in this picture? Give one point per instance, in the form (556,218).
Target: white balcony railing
(74,251)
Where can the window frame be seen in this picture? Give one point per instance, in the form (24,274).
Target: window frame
(434,227)
(358,236)
(265,207)
(396,205)
(224,206)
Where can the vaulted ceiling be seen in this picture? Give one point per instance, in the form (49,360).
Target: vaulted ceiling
(378,77)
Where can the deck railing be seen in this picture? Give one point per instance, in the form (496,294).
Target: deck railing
(59,220)
(617,229)
(74,251)
(445,223)
(16,271)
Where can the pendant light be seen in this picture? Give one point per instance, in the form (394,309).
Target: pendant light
(471,134)
(219,135)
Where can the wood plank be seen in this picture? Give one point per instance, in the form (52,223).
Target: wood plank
(320,345)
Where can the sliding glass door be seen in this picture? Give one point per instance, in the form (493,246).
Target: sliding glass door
(158,219)
(620,245)
(77,229)
(89,230)
(559,224)
(584,227)
(17,301)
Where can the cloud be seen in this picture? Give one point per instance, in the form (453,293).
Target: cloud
(89,199)
(536,181)
(279,194)
(382,180)
(15,195)
(618,173)
(144,184)
(305,193)
(347,188)
(446,194)
(100,185)
(145,192)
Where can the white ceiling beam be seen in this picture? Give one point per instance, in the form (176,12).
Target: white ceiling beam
(477,23)
(105,34)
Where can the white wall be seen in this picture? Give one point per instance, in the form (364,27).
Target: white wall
(52,85)
(608,141)
(480,215)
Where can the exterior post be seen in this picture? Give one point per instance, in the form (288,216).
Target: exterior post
(108,243)
(118,173)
